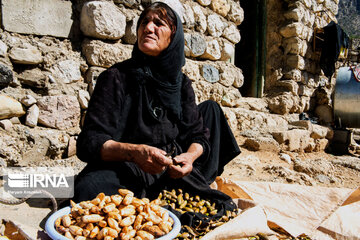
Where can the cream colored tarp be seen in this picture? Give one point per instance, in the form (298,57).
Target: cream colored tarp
(319,212)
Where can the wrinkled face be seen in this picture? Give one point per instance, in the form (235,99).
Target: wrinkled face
(154,34)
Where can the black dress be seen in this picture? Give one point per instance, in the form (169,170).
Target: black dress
(148,100)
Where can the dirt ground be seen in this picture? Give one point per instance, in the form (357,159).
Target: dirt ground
(312,169)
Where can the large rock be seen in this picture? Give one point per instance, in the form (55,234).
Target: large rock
(195,43)
(25,56)
(230,98)
(295,46)
(213,50)
(217,92)
(295,61)
(10,107)
(130,31)
(200,19)
(210,73)
(227,51)
(260,121)
(232,34)
(253,104)
(236,13)
(221,7)
(38,17)
(284,103)
(61,112)
(103,54)
(229,74)
(215,25)
(33,78)
(319,131)
(293,30)
(293,140)
(262,144)
(189,18)
(102,20)
(67,71)
(203,90)
(6,76)
(191,69)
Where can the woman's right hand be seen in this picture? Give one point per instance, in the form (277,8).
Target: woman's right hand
(150,159)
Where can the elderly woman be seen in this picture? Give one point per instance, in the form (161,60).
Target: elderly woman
(143,130)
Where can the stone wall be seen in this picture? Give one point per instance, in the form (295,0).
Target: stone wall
(294,81)
(51,53)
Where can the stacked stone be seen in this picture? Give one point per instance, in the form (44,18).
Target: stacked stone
(292,65)
(47,75)
(210,37)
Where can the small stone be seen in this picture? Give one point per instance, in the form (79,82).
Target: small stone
(28,100)
(32,116)
(200,19)
(6,76)
(3,49)
(6,124)
(322,178)
(33,78)
(71,150)
(25,56)
(67,71)
(285,157)
(204,2)
(15,120)
(9,107)
(84,98)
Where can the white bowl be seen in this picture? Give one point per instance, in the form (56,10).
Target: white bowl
(53,234)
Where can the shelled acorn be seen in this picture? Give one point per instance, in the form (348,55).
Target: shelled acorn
(184,202)
(120,216)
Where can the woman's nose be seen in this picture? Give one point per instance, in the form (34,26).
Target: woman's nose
(149,27)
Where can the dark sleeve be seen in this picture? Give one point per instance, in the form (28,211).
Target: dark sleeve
(191,127)
(103,114)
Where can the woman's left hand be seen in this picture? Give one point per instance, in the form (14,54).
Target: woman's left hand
(183,163)
(182,166)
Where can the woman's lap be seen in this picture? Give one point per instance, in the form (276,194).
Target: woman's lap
(109,177)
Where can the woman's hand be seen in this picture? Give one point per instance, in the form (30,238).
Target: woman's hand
(182,166)
(183,163)
(151,159)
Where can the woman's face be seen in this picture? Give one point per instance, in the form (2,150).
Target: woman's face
(154,34)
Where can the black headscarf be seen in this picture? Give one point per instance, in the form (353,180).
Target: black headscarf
(166,75)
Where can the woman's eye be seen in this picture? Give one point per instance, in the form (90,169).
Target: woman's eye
(159,23)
